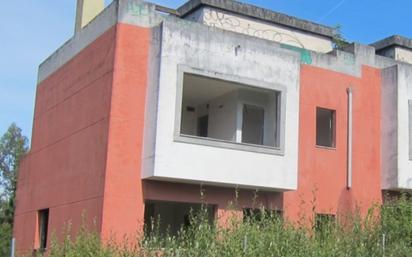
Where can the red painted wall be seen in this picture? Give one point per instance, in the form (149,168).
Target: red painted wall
(123,208)
(322,172)
(65,168)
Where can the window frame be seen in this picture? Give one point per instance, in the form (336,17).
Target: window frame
(42,216)
(278,149)
(334,128)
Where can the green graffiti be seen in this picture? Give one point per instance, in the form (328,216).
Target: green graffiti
(305,56)
(137,9)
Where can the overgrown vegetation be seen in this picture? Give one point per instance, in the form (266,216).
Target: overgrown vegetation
(339,42)
(13,146)
(385,231)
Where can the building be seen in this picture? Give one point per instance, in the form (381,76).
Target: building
(150,111)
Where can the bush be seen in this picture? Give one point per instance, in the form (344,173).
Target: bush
(385,231)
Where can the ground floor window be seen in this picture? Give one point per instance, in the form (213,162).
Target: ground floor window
(255,214)
(170,217)
(43,225)
(323,224)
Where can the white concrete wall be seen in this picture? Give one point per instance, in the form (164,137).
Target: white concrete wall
(404,55)
(237,23)
(396,93)
(258,61)
(222,117)
(404,95)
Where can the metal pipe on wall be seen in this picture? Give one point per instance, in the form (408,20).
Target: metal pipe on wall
(349,138)
(13,246)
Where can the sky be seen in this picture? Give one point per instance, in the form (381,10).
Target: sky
(31,30)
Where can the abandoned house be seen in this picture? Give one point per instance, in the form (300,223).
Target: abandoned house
(150,112)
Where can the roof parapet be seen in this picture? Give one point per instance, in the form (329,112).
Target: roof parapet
(395,40)
(259,13)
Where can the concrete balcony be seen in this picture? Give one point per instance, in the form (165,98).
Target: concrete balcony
(222,109)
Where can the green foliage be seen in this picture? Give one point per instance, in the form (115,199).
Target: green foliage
(338,39)
(13,146)
(5,239)
(385,231)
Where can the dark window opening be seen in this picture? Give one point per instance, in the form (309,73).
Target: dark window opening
(259,214)
(325,127)
(168,218)
(202,126)
(324,223)
(43,225)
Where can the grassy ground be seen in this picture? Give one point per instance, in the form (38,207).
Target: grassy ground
(385,232)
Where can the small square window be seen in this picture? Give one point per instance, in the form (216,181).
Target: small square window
(325,127)
(43,225)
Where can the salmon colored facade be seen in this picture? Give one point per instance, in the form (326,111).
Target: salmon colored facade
(99,105)
(65,169)
(323,171)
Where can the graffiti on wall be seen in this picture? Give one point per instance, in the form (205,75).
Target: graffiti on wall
(221,20)
(218,19)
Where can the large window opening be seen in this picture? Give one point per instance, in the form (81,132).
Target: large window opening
(169,217)
(325,127)
(43,226)
(229,112)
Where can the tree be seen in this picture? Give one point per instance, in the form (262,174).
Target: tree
(13,146)
(339,41)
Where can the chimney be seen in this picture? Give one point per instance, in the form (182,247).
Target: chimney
(86,11)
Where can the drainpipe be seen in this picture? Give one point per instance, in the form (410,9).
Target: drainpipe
(13,246)
(349,152)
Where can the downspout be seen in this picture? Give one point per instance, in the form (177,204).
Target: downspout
(349,139)
(13,247)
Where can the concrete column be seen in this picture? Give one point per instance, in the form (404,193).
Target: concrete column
(86,11)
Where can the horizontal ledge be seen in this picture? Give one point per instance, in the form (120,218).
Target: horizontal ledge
(228,144)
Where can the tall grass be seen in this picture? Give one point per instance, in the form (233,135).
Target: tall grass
(385,232)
